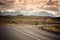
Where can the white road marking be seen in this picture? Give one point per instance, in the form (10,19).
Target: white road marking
(27,34)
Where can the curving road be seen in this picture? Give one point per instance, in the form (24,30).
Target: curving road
(26,33)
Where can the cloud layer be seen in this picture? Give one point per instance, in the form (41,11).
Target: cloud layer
(52,5)
(33,3)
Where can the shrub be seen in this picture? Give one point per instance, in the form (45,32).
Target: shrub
(36,23)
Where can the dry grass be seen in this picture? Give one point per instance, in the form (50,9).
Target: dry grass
(51,23)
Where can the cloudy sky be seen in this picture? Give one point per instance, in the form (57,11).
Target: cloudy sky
(51,5)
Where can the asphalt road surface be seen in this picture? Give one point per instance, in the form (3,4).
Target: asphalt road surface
(26,33)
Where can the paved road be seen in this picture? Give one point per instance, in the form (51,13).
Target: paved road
(26,33)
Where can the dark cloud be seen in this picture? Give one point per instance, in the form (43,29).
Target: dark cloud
(1,3)
(6,2)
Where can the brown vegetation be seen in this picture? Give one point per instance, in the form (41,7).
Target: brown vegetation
(51,23)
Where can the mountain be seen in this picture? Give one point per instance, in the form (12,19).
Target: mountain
(28,13)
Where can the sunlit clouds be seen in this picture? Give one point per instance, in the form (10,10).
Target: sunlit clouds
(30,6)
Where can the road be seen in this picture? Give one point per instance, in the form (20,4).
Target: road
(26,33)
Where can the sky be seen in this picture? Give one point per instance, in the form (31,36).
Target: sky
(13,5)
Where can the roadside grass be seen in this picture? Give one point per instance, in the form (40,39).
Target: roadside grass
(52,29)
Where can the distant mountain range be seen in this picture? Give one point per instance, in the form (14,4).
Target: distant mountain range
(27,13)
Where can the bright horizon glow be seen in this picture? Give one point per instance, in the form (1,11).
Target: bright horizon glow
(30,12)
